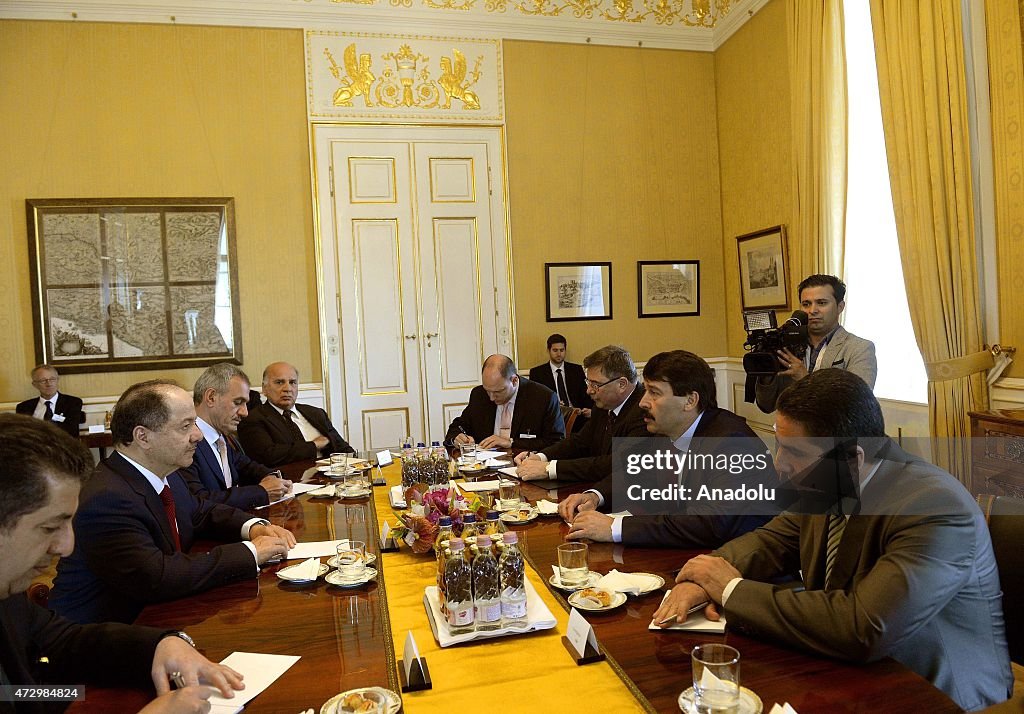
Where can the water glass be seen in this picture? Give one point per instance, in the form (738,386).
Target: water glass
(339,464)
(573,569)
(468,455)
(508,492)
(352,560)
(716,679)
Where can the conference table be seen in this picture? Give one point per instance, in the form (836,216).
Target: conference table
(346,638)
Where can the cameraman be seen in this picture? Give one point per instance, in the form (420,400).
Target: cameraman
(823,298)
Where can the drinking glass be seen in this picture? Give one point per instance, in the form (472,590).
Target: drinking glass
(572,564)
(508,493)
(468,456)
(339,464)
(352,560)
(716,679)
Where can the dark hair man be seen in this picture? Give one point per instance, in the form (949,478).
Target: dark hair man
(587,455)
(566,379)
(678,402)
(41,474)
(506,412)
(220,471)
(63,410)
(138,520)
(823,298)
(909,575)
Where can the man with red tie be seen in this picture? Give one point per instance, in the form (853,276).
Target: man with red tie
(137,519)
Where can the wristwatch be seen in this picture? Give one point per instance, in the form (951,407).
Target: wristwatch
(179,634)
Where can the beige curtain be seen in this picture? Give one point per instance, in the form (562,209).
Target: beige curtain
(922,87)
(817,75)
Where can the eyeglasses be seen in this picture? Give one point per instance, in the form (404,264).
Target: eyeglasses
(49,380)
(591,384)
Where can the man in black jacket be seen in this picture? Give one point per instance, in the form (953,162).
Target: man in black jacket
(572,392)
(63,410)
(40,477)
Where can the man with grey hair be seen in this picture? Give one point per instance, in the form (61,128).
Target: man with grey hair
(220,471)
(613,385)
(506,412)
(63,410)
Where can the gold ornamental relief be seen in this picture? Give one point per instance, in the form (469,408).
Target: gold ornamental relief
(405,80)
(450,4)
(579,8)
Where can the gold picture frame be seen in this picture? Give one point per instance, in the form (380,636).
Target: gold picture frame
(762,260)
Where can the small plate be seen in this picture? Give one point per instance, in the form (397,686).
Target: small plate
(577,601)
(513,516)
(660,584)
(355,493)
(370,559)
(750,703)
(334,578)
(473,469)
(591,582)
(333,705)
(281,574)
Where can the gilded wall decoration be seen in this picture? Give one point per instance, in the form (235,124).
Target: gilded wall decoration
(394,77)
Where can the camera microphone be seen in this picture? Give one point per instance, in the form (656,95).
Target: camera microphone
(798,319)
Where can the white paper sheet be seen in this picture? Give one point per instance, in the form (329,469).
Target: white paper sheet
(478,486)
(259,670)
(314,549)
(694,623)
(300,488)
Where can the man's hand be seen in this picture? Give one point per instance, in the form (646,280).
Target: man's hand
(593,525)
(269,548)
(275,486)
(532,469)
(321,443)
(710,572)
(794,366)
(174,655)
(462,438)
(586,412)
(577,502)
(496,442)
(679,601)
(272,531)
(189,699)
(524,455)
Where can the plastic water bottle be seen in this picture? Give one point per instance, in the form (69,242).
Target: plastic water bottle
(486,587)
(512,572)
(458,585)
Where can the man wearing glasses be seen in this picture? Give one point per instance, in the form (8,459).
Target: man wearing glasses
(613,385)
(62,410)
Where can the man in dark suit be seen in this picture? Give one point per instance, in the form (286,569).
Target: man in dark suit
(506,412)
(904,571)
(138,520)
(219,471)
(587,454)
(63,410)
(679,403)
(41,475)
(281,431)
(566,379)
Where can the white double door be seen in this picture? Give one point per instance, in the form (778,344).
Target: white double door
(415,278)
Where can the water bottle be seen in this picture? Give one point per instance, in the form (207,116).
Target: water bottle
(458,585)
(486,587)
(512,572)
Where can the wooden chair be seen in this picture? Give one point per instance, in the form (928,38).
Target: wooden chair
(569,414)
(1005,518)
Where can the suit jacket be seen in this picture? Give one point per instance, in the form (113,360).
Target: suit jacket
(587,454)
(914,579)
(205,478)
(575,382)
(268,439)
(706,529)
(536,421)
(843,351)
(67,406)
(124,555)
(107,654)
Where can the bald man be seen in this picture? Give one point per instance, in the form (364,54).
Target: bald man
(279,431)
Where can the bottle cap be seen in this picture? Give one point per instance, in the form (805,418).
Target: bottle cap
(509,537)
(492,515)
(469,518)
(456,544)
(444,521)
(483,541)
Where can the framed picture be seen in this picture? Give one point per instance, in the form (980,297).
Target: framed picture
(667,288)
(136,283)
(763,268)
(578,291)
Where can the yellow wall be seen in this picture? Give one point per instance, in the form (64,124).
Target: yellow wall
(752,82)
(120,110)
(613,156)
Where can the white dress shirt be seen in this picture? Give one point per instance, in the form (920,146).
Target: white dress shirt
(309,432)
(41,406)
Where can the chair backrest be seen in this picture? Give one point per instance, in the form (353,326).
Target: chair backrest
(569,414)
(1005,518)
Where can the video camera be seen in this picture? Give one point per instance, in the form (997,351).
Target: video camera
(764,339)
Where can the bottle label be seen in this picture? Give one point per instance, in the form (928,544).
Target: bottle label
(489,613)
(514,610)
(460,614)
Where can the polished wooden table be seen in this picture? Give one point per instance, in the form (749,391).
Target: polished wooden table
(344,636)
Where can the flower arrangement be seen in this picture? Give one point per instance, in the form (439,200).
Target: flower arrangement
(419,527)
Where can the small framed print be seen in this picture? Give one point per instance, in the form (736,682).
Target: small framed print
(762,257)
(668,288)
(578,291)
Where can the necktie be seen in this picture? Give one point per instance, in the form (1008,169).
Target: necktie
(292,426)
(48,416)
(168,501)
(225,466)
(563,394)
(505,428)
(836,526)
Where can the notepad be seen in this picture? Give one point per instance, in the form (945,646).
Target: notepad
(694,623)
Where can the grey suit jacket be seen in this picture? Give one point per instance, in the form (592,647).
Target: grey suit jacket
(915,579)
(844,351)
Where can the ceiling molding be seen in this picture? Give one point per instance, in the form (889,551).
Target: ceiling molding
(389,16)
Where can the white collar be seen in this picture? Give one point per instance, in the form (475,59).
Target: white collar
(210,433)
(155,481)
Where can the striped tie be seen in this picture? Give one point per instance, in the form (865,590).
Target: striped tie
(836,526)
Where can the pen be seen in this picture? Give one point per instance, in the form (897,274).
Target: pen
(695,608)
(178,680)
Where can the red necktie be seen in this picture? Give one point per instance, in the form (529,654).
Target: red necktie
(168,501)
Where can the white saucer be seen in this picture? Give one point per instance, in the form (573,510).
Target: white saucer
(577,601)
(513,516)
(591,582)
(281,574)
(358,493)
(750,703)
(370,559)
(334,578)
(333,705)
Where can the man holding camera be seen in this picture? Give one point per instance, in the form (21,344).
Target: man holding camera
(829,345)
